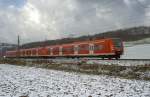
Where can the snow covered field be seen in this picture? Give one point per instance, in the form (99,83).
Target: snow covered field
(18,81)
(120,62)
(107,62)
(137,52)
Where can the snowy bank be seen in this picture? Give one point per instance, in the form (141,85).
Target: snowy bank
(137,52)
(17,81)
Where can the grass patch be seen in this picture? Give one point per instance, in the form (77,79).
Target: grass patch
(128,72)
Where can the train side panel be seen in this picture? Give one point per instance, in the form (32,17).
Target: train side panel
(43,51)
(97,48)
(11,54)
(55,51)
(83,49)
(67,50)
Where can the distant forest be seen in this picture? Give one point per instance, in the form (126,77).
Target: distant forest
(129,34)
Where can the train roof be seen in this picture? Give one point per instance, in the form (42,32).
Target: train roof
(73,43)
(81,42)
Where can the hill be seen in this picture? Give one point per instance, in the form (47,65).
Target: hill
(127,35)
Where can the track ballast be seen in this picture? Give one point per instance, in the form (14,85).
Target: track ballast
(90,61)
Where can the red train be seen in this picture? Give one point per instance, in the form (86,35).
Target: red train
(104,48)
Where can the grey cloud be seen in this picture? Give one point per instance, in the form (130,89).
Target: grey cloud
(52,19)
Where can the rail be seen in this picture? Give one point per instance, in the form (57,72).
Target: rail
(90,61)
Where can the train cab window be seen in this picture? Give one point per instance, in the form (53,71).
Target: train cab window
(117,43)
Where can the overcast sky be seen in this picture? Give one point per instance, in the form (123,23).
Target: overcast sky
(37,20)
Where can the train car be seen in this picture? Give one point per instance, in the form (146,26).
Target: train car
(104,48)
(11,53)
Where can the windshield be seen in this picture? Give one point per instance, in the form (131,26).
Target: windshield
(117,43)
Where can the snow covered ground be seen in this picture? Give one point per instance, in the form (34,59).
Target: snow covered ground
(17,81)
(120,62)
(137,52)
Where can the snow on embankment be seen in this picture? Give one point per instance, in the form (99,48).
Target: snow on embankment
(137,52)
(17,81)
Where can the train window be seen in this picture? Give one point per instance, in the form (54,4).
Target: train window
(56,49)
(67,49)
(23,53)
(29,52)
(26,52)
(83,47)
(97,47)
(34,52)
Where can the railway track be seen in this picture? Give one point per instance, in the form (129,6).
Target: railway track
(123,62)
(90,61)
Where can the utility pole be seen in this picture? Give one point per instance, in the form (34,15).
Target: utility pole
(103,35)
(1,51)
(18,47)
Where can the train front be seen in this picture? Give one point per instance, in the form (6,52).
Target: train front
(118,47)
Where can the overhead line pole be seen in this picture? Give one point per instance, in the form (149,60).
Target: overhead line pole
(18,47)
